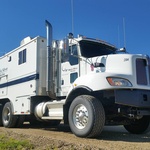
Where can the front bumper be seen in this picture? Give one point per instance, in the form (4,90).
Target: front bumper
(135,98)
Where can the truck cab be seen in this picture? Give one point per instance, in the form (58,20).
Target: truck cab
(82,59)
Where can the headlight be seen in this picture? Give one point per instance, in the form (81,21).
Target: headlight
(113,81)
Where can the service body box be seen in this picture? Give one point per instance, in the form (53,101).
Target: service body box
(23,73)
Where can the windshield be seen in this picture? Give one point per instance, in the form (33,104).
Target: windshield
(93,49)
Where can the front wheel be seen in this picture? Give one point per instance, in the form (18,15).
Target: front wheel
(8,119)
(139,126)
(86,116)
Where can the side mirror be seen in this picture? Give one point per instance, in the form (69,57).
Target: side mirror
(64,46)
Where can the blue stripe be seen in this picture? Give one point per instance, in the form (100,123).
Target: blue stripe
(21,80)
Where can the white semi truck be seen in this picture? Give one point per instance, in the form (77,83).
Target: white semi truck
(86,83)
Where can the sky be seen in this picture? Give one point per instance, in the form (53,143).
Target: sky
(123,23)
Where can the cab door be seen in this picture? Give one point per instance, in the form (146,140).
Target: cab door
(70,69)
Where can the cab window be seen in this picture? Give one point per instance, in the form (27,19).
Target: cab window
(73,57)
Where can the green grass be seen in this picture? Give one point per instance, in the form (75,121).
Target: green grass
(7,143)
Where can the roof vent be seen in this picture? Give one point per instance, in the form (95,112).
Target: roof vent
(25,40)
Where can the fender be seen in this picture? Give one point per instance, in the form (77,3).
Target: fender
(4,101)
(78,91)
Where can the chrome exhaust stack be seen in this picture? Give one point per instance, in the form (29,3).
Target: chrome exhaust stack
(50,83)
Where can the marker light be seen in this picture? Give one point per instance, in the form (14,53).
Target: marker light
(113,81)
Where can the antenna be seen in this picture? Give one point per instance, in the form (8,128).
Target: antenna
(118,37)
(72,16)
(124,32)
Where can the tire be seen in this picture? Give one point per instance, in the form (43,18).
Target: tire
(8,119)
(86,116)
(139,126)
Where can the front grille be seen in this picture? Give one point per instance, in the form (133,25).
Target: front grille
(142,71)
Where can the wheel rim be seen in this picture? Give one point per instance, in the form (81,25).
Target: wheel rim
(80,116)
(6,115)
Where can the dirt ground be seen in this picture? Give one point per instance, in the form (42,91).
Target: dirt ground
(112,138)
